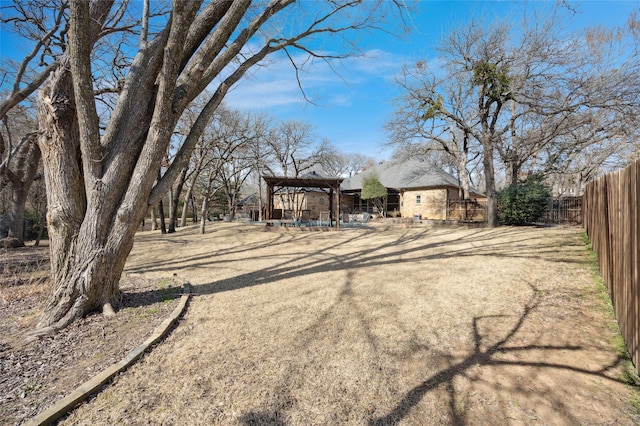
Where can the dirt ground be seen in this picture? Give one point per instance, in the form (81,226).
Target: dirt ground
(384,325)
(34,375)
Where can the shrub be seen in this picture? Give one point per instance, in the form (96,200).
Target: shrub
(524,202)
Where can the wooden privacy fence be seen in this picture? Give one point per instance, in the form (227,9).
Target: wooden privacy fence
(560,210)
(467,210)
(611,218)
(564,210)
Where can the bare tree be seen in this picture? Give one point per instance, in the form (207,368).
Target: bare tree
(26,162)
(101,182)
(259,154)
(232,139)
(43,24)
(334,163)
(521,94)
(295,150)
(19,168)
(418,129)
(476,62)
(356,163)
(199,155)
(594,146)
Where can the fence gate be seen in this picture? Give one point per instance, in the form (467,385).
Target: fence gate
(564,210)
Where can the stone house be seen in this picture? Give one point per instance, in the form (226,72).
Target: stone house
(415,189)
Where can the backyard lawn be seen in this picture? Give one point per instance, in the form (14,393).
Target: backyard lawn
(384,325)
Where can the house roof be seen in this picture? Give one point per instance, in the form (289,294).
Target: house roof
(407,174)
(249,200)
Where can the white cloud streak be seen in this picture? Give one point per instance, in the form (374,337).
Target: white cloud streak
(275,84)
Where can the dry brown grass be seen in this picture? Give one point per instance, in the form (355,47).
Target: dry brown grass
(393,325)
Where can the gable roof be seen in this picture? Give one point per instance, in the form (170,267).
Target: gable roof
(407,174)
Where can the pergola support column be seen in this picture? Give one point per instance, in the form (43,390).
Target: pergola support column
(269,210)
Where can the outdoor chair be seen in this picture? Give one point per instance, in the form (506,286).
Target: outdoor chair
(305,217)
(324,219)
(345,219)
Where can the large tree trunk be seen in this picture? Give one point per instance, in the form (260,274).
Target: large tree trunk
(87,282)
(80,264)
(512,166)
(463,175)
(86,260)
(175,198)
(489,176)
(101,181)
(89,238)
(185,206)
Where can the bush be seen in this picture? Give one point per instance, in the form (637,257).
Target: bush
(524,202)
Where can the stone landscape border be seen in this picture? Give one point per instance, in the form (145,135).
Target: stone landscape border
(93,385)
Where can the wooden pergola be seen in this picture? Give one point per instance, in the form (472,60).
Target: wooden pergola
(274,183)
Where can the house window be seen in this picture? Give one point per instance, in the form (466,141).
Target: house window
(418,199)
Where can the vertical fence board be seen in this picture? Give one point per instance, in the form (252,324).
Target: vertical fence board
(634,201)
(624,275)
(611,218)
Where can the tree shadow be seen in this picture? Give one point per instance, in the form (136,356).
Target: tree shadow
(319,260)
(488,355)
(205,259)
(409,247)
(484,354)
(276,414)
(136,299)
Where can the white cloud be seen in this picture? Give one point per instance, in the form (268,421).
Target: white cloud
(254,93)
(275,84)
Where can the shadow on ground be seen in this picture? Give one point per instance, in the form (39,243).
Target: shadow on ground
(407,248)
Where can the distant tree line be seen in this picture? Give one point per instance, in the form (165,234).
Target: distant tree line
(127,98)
(516,99)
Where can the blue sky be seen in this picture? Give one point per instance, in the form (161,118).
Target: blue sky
(352,104)
(351,108)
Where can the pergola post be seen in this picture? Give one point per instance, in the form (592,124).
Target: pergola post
(332,214)
(269,211)
(337,204)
